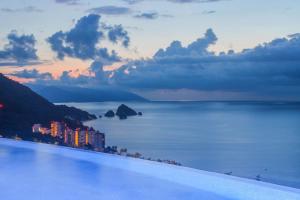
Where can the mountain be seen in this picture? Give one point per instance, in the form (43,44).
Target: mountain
(77,94)
(21,108)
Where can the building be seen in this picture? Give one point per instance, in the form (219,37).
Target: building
(91,136)
(69,137)
(57,129)
(95,139)
(99,141)
(82,138)
(87,137)
(76,138)
(36,128)
(45,131)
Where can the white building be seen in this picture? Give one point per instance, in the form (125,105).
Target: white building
(36,128)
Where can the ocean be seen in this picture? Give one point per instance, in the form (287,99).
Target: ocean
(256,140)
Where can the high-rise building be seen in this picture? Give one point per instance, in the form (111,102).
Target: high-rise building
(99,141)
(57,129)
(69,137)
(91,136)
(82,138)
(76,137)
(87,137)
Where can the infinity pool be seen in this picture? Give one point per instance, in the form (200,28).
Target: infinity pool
(39,171)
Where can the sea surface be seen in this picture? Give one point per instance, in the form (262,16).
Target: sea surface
(256,140)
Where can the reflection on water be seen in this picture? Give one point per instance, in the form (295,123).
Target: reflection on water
(247,139)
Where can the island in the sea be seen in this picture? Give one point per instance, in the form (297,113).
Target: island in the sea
(123,112)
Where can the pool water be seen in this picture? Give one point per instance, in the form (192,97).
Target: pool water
(39,171)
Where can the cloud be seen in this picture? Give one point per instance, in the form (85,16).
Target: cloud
(67,79)
(83,40)
(271,68)
(149,15)
(46,78)
(132,1)
(32,74)
(80,41)
(110,10)
(95,76)
(20,64)
(20,49)
(118,10)
(118,33)
(68,2)
(208,12)
(28,9)
(177,1)
(196,48)
(101,76)
(195,1)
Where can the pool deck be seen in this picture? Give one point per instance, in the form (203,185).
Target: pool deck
(116,177)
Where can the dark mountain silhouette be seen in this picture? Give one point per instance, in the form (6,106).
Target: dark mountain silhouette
(21,108)
(78,94)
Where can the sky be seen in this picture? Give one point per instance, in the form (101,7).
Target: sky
(160,49)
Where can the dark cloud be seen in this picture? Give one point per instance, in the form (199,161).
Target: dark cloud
(177,1)
(96,76)
(110,10)
(32,74)
(68,2)
(83,40)
(46,78)
(197,48)
(28,9)
(208,12)
(101,76)
(20,49)
(118,33)
(80,41)
(67,79)
(20,64)
(150,15)
(271,68)
(117,10)
(132,1)
(195,1)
